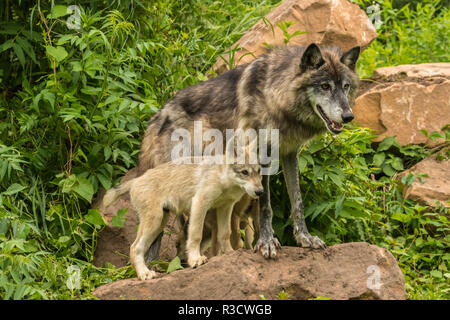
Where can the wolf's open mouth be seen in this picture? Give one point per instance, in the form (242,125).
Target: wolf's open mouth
(334,127)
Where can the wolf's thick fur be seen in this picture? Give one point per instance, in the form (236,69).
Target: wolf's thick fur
(302,91)
(186,189)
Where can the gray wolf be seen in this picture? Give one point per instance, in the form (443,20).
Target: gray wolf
(190,189)
(302,91)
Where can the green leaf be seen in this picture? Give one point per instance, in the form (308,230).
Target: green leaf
(388,170)
(19,53)
(436,273)
(58,11)
(4,226)
(13,189)
(27,47)
(302,162)
(397,164)
(336,179)
(378,159)
(84,188)
(95,218)
(320,298)
(119,219)
(175,264)
(58,53)
(386,143)
(76,66)
(63,239)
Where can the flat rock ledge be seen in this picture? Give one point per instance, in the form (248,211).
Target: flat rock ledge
(355,270)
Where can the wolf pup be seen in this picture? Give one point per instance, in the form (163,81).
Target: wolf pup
(186,189)
(302,91)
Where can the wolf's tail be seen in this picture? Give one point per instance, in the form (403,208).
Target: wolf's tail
(112,194)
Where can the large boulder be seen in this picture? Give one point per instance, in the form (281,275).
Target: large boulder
(345,271)
(435,188)
(403,100)
(328,22)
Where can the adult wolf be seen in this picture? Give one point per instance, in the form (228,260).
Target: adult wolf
(301,91)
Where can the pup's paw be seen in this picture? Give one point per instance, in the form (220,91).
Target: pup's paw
(268,247)
(198,261)
(146,274)
(306,240)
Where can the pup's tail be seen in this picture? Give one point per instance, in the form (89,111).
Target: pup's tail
(113,193)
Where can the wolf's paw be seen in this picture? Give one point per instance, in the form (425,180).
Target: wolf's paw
(195,262)
(306,240)
(146,274)
(268,247)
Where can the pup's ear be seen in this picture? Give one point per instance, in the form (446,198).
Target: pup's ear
(251,151)
(350,57)
(312,58)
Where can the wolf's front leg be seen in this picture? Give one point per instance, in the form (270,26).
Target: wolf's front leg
(267,244)
(224,228)
(199,208)
(301,234)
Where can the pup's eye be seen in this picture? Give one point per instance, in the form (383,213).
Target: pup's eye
(346,86)
(325,86)
(244,172)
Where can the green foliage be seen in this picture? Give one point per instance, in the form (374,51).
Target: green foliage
(415,32)
(351,192)
(74,105)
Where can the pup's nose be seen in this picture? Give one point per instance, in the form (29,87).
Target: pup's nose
(347,117)
(259,192)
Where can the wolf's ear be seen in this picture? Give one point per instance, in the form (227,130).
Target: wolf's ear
(350,57)
(312,58)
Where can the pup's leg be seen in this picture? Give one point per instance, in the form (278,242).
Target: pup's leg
(195,231)
(252,224)
(149,229)
(236,239)
(224,228)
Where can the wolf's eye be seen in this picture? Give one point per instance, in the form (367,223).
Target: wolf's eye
(325,86)
(346,86)
(244,172)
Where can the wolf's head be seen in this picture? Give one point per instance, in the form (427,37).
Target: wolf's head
(248,177)
(330,83)
(246,171)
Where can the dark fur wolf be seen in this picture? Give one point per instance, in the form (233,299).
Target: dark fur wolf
(302,91)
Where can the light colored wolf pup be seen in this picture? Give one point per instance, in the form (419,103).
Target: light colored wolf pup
(186,189)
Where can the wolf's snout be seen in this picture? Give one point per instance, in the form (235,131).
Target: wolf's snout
(259,192)
(347,117)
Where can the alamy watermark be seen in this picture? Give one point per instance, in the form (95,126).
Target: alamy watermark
(261,146)
(74,277)
(374,280)
(374,13)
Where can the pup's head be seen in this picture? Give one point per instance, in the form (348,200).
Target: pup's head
(246,174)
(330,84)
(248,177)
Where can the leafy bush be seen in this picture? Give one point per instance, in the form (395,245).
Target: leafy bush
(73,109)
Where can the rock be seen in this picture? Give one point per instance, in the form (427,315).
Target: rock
(344,271)
(403,101)
(414,70)
(328,22)
(435,188)
(113,243)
